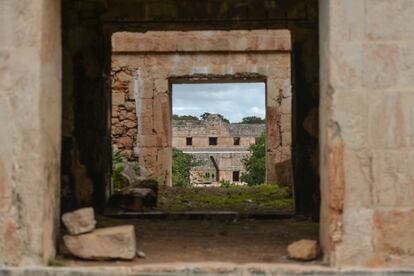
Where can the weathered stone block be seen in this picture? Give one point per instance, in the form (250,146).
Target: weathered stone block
(351,114)
(126,141)
(356,246)
(394,230)
(380,65)
(123,76)
(103,244)
(304,250)
(347,66)
(133,199)
(145,107)
(80,221)
(146,90)
(406,65)
(161,85)
(118,98)
(350,16)
(390,120)
(394,177)
(389,19)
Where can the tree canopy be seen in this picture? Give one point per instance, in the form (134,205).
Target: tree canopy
(252,120)
(181,166)
(255,165)
(185,118)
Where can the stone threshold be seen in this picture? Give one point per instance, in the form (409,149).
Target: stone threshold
(211,268)
(198,215)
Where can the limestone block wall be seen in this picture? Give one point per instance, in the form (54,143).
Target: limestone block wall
(367,131)
(124,118)
(30,116)
(227,162)
(167,57)
(213,126)
(87,28)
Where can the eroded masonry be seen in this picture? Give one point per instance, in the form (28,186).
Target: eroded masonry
(144,66)
(352,68)
(219,148)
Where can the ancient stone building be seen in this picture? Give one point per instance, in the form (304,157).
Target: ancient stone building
(145,65)
(219,147)
(351,70)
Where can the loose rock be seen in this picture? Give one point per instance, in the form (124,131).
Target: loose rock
(304,250)
(133,171)
(104,244)
(141,254)
(134,199)
(80,221)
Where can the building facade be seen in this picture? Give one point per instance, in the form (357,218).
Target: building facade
(219,147)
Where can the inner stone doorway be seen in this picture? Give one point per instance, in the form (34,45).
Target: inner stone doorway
(163,58)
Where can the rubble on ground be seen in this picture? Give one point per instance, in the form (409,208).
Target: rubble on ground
(303,250)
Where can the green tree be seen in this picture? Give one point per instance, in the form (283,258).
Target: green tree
(206,114)
(255,165)
(252,120)
(181,166)
(185,118)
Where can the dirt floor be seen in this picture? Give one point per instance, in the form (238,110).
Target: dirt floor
(237,241)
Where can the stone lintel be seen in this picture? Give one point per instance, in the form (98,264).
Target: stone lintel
(202,41)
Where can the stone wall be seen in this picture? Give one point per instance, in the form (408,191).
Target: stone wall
(367,133)
(213,126)
(30,110)
(124,118)
(167,57)
(228,157)
(366,112)
(87,29)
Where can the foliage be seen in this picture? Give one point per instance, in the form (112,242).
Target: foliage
(206,114)
(185,118)
(181,166)
(56,263)
(116,157)
(119,181)
(255,165)
(252,120)
(245,199)
(225,183)
(137,169)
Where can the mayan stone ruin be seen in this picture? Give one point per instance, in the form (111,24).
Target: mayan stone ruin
(218,146)
(81,77)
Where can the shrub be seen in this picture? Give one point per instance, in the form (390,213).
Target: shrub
(119,181)
(181,166)
(225,183)
(255,165)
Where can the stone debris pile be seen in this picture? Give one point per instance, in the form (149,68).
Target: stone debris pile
(86,242)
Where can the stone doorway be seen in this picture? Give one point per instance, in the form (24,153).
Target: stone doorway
(145,66)
(164,58)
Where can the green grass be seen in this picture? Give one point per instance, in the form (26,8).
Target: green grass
(260,198)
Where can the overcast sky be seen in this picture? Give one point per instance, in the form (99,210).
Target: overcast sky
(233,100)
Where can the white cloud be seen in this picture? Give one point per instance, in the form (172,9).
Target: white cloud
(258,111)
(233,100)
(186,108)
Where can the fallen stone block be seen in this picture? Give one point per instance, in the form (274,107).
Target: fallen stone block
(134,199)
(147,183)
(304,250)
(80,221)
(104,244)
